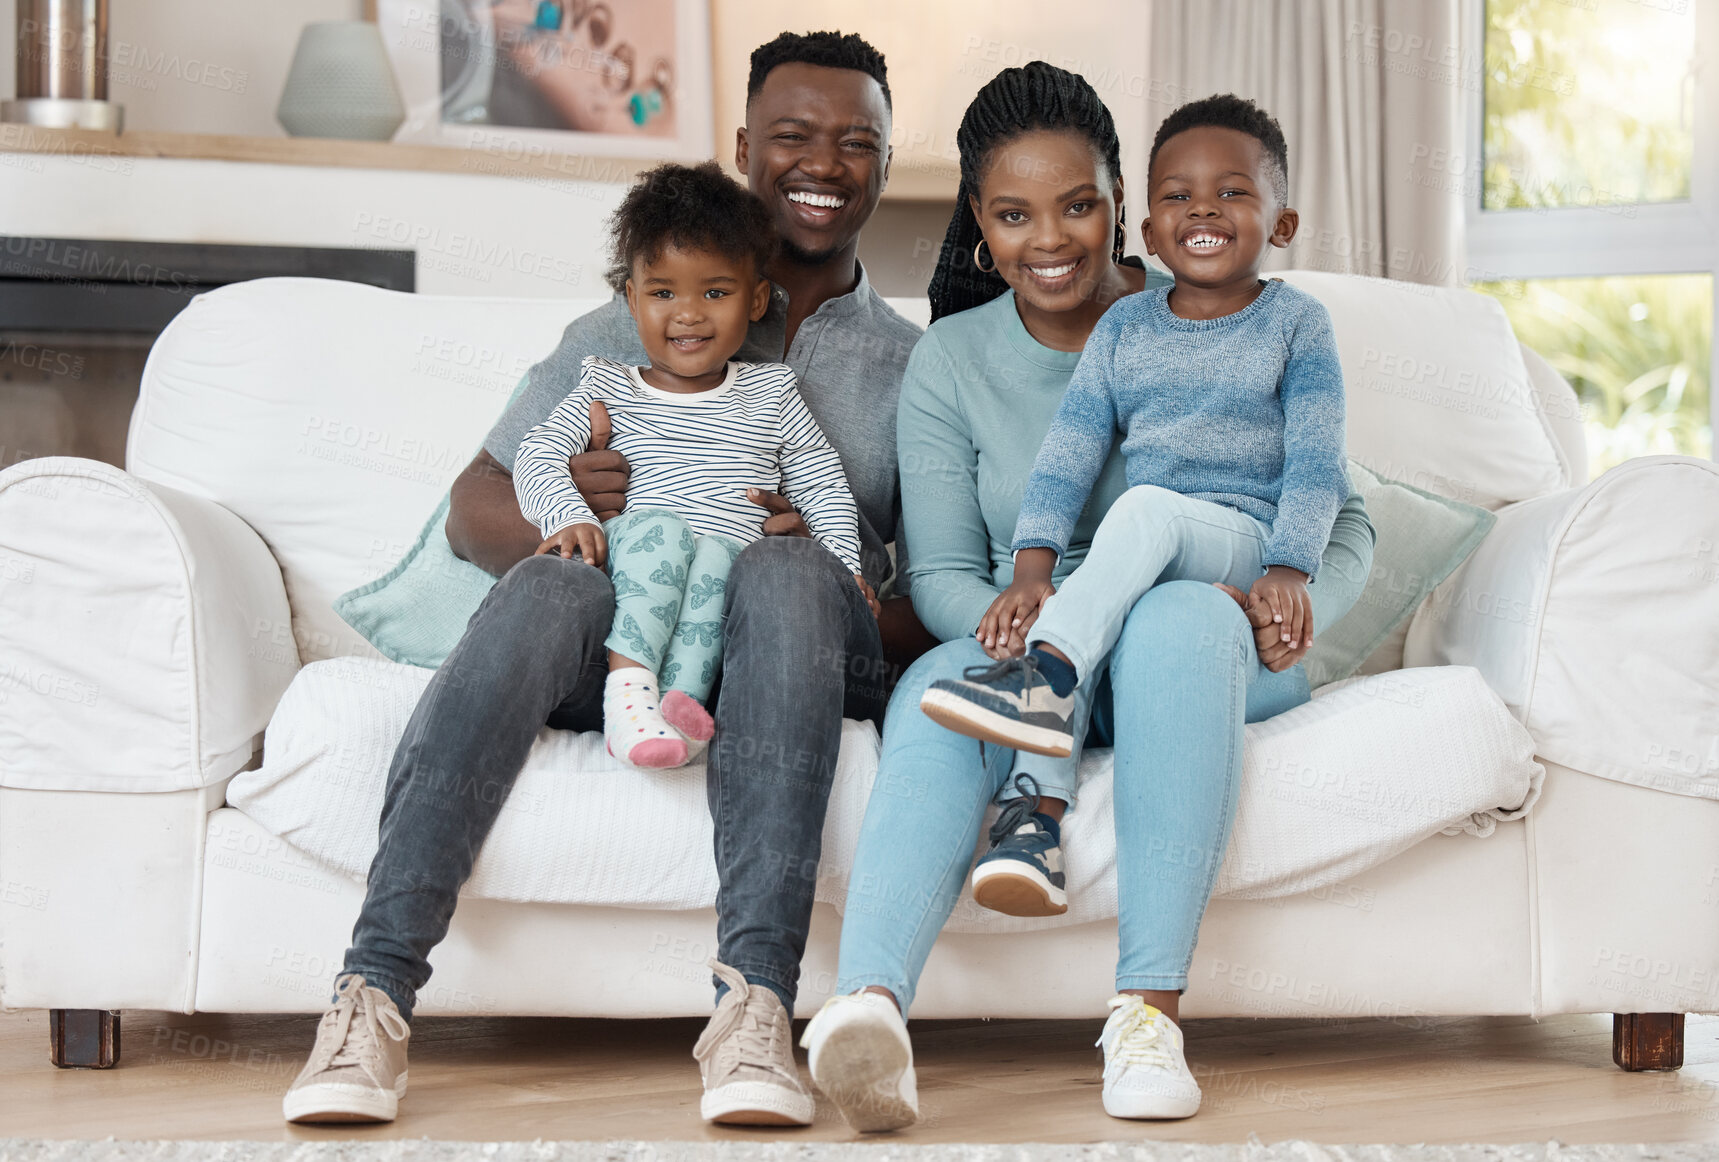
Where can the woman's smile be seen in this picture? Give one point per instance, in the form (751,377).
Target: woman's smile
(1054,275)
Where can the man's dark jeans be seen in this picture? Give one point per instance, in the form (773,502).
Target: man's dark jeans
(800,652)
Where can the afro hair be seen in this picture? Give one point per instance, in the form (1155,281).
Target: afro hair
(831,50)
(688,207)
(1228,111)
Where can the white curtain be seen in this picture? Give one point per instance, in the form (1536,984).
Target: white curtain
(1369,94)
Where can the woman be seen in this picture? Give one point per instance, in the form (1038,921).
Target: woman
(1032,258)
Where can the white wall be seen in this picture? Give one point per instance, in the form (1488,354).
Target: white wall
(474,235)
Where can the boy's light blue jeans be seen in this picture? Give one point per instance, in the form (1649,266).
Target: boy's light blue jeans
(1150,535)
(1182,680)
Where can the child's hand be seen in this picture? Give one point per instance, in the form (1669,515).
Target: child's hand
(584,540)
(1003,629)
(1284,591)
(870,596)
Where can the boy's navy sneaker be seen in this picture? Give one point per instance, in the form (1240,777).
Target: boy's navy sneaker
(1022,874)
(1010,703)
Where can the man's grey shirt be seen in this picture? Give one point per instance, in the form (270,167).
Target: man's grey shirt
(849,356)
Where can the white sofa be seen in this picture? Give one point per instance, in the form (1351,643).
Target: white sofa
(293,435)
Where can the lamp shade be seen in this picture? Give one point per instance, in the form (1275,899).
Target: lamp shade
(340,84)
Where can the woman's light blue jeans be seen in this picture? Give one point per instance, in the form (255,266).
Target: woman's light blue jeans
(1182,680)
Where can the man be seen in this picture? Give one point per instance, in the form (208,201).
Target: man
(801,647)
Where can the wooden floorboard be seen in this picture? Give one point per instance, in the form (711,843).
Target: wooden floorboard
(1422,1080)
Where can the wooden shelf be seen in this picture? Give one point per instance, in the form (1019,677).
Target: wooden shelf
(914,178)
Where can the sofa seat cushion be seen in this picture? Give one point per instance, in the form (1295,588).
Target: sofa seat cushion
(1366,770)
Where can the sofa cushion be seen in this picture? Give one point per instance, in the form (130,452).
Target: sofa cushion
(1422,537)
(1438,394)
(1329,789)
(331,417)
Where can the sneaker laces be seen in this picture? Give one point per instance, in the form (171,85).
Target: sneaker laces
(744,1034)
(1139,1040)
(356,1039)
(1026,666)
(1019,810)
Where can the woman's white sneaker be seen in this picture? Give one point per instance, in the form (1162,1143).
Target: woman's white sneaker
(1145,1073)
(860,1057)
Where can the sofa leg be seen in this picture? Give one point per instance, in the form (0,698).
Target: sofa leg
(1647,1041)
(83,1038)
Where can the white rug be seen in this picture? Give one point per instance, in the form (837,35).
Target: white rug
(424,1150)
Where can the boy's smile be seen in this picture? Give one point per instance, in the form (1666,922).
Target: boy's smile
(1214,215)
(693,308)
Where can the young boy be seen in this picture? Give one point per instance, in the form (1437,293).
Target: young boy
(1229,399)
(701,435)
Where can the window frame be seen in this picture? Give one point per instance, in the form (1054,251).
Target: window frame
(1646,238)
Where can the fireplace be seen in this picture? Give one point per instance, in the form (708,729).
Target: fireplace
(78,316)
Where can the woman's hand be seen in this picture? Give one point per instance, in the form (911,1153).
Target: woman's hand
(870,597)
(1275,654)
(586,540)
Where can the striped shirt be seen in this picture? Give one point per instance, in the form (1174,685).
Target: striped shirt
(694,454)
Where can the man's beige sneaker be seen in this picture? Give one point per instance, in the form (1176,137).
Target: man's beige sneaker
(357,1072)
(746,1056)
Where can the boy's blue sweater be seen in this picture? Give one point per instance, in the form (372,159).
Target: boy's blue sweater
(1244,410)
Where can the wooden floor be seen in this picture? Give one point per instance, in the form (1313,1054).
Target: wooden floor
(1429,1080)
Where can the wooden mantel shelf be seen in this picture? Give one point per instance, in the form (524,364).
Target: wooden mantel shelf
(913,178)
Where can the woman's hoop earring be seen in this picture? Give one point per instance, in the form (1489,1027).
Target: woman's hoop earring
(1121,243)
(978,263)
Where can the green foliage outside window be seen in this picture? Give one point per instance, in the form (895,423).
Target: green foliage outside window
(1588,102)
(1637,350)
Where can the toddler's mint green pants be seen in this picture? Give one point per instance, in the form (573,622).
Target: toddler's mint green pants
(669,585)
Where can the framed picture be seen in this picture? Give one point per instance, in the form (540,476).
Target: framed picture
(617,78)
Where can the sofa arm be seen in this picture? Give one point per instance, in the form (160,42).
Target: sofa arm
(1594,613)
(144,633)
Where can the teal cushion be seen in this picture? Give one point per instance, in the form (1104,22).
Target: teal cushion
(416,611)
(1422,538)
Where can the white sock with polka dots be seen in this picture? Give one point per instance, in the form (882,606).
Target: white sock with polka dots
(633,722)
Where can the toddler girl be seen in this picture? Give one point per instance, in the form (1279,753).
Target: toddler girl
(702,437)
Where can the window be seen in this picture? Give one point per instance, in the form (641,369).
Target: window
(1595,217)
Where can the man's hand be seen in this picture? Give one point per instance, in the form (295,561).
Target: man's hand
(584,540)
(783,520)
(599,474)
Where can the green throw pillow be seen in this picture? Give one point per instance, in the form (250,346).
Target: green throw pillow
(416,611)
(1422,538)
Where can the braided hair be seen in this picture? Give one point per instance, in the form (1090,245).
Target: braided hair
(1016,101)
